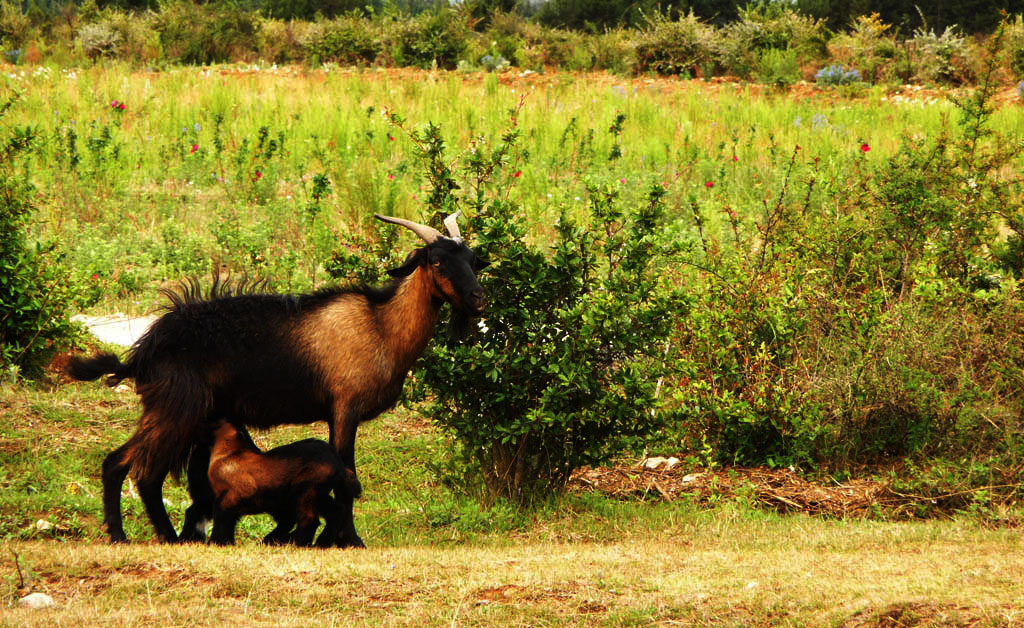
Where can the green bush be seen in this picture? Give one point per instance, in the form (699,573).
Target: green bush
(435,38)
(1015,44)
(34,291)
(769,26)
(941,58)
(865,318)
(778,67)
(200,34)
(99,40)
(15,27)
(564,370)
(684,46)
(869,47)
(348,40)
(278,41)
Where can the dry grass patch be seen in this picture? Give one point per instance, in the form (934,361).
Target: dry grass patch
(719,567)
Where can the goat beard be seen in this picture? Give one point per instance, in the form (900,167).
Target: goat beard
(458,327)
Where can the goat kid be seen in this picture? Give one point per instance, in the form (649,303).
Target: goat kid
(292,483)
(338,355)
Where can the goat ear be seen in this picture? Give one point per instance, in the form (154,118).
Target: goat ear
(479,265)
(416,258)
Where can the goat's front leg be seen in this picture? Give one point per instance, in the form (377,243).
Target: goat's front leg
(343,438)
(224,523)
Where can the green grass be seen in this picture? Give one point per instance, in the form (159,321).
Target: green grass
(135,207)
(436,557)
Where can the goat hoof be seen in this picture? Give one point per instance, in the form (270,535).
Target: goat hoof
(192,537)
(354,542)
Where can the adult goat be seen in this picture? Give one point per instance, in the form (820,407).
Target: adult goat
(259,360)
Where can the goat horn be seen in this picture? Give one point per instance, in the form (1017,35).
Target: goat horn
(452,226)
(428,234)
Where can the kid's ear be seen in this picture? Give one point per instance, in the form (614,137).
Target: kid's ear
(416,258)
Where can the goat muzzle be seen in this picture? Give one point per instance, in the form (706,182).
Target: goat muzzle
(476,303)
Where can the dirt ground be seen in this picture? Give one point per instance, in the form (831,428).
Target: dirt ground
(783,490)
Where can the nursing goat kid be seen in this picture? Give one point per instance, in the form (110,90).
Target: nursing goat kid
(260,360)
(292,483)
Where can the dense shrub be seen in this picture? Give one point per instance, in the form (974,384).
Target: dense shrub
(123,35)
(279,41)
(99,40)
(1015,44)
(564,368)
(941,58)
(684,46)
(878,324)
(762,27)
(869,47)
(15,28)
(348,40)
(309,9)
(436,38)
(203,34)
(778,67)
(34,292)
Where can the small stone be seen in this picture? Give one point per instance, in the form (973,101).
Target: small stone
(43,525)
(658,462)
(37,600)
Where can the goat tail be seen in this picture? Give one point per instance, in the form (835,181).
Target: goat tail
(89,369)
(176,418)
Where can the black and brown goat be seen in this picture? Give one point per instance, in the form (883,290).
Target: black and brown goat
(292,483)
(259,360)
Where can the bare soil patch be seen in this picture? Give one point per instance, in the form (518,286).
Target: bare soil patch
(780,489)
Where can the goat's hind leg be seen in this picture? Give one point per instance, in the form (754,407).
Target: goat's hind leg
(308,521)
(285,520)
(115,470)
(200,512)
(151,490)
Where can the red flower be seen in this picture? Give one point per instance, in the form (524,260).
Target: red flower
(517,173)
(114,104)
(709,184)
(195,147)
(259,175)
(122,107)
(864,147)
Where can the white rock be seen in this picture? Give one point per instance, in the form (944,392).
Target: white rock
(43,525)
(658,462)
(36,600)
(692,477)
